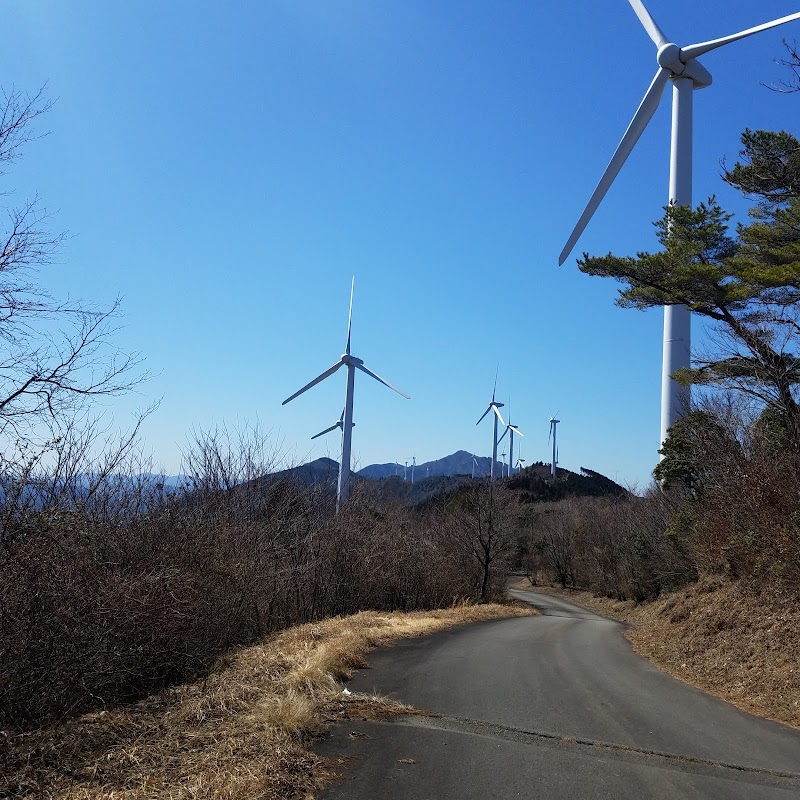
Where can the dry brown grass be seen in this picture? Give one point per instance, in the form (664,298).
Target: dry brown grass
(742,645)
(240,733)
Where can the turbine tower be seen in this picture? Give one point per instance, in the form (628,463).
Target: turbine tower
(493,406)
(510,430)
(679,65)
(352,363)
(474,464)
(552,435)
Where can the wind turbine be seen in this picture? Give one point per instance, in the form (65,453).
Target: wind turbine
(679,65)
(510,430)
(339,425)
(352,363)
(474,464)
(552,434)
(520,464)
(493,406)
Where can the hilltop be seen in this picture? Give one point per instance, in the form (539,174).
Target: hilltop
(459,463)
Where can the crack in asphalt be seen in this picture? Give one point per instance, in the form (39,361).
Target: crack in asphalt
(494,730)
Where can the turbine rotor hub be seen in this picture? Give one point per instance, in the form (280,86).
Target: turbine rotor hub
(669,57)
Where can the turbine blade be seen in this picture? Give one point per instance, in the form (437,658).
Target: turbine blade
(516,430)
(653,31)
(697,50)
(381,380)
(639,122)
(316,380)
(499,415)
(327,430)
(503,436)
(484,414)
(350,315)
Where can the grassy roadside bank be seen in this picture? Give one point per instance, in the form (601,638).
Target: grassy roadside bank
(742,646)
(241,732)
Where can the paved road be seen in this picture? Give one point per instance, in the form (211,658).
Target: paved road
(551,706)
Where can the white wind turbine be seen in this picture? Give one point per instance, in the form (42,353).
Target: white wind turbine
(510,430)
(552,435)
(679,65)
(352,363)
(474,464)
(339,425)
(493,406)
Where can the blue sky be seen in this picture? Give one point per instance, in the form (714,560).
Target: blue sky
(226,169)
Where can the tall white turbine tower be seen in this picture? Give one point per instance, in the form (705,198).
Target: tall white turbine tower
(679,65)
(494,406)
(552,435)
(510,430)
(352,363)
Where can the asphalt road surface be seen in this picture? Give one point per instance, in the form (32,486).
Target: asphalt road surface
(555,706)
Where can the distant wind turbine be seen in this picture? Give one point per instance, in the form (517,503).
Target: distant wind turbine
(339,425)
(552,434)
(474,464)
(510,430)
(352,363)
(520,464)
(679,65)
(494,406)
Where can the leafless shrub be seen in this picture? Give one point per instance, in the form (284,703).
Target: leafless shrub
(480,522)
(614,546)
(112,586)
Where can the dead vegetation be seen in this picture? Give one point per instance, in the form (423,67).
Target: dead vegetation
(241,732)
(739,643)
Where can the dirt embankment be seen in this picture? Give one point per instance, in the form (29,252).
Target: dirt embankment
(741,645)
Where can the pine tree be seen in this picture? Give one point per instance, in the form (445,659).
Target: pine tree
(748,283)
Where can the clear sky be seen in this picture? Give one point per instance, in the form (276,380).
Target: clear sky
(227,167)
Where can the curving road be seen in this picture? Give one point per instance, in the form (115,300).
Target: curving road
(550,706)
